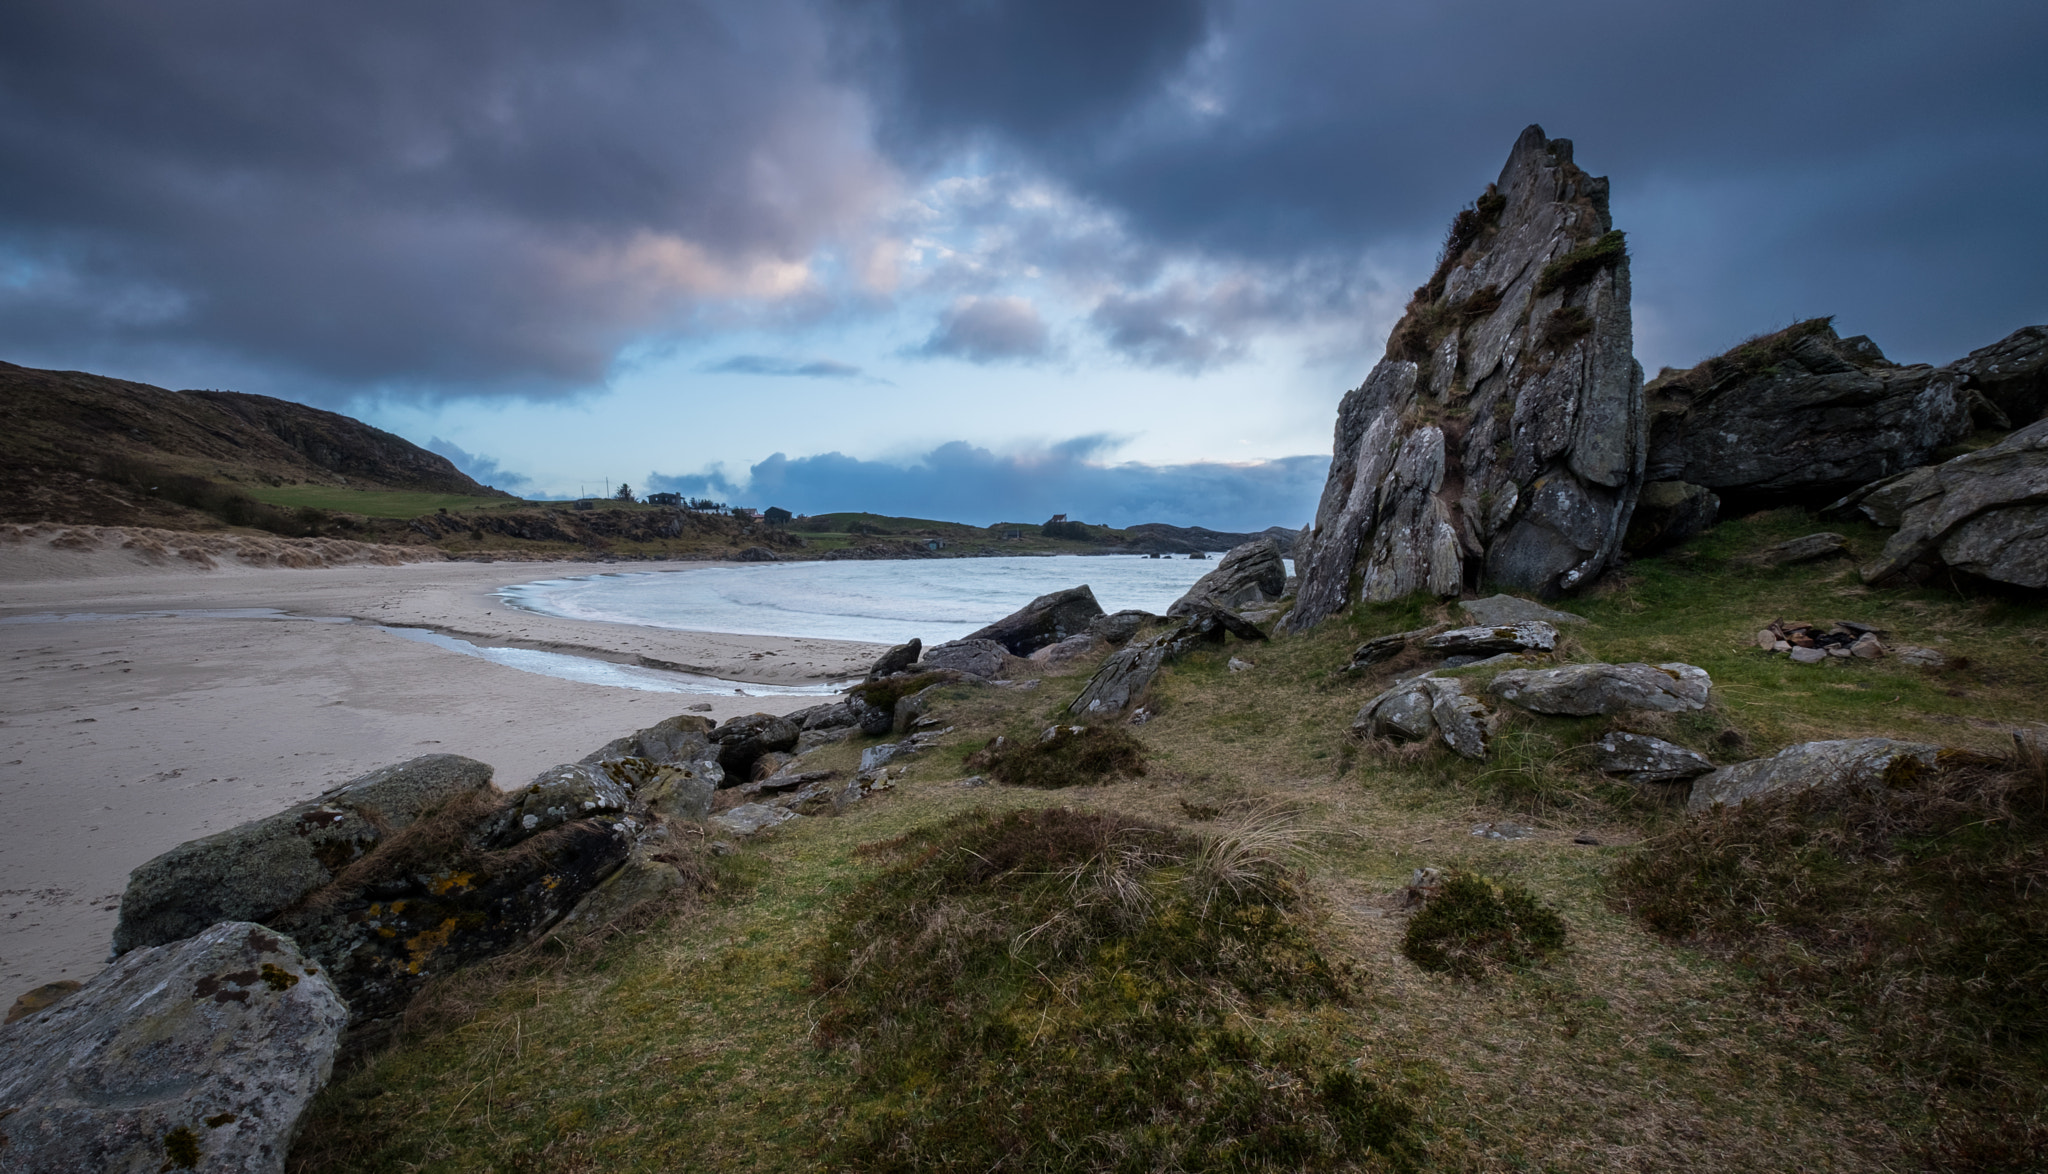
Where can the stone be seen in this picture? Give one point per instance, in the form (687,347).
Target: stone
(1984,513)
(768,764)
(1121,680)
(1767,640)
(1667,513)
(976,657)
(1385,648)
(1500,610)
(1238,665)
(1640,758)
(1809,655)
(2012,374)
(643,878)
(910,708)
(1119,627)
(756,554)
(1048,619)
(1421,707)
(896,660)
(876,757)
(741,740)
(1527,636)
(700,707)
(1460,718)
(680,792)
(1502,435)
(1799,416)
(833,715)
(560,794)
(1926,658)
(1583,690)
(42,998)
(752,818)
(1863,762)
(1252,573)
(202,1054)
(811,740)
(683,738)
(1810,548)
(1068,651)
(253,870)
(1206,621)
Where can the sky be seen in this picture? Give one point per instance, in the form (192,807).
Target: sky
(985,260)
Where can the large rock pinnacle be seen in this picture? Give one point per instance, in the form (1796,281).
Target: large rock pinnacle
(1502,436)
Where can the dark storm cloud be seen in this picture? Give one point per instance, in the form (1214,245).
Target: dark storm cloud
(960,482)
(482,469)
(1876,160)
(800,368)
(989,330)
(462,194)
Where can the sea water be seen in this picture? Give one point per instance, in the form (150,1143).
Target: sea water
(882,601)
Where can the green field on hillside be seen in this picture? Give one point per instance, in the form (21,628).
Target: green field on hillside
(373,503)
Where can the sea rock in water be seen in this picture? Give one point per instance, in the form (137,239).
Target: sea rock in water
(1582,690)
(2011,373)
(1668,513)
(1985,513)
(1799,415)
(1250,574)
(202,1054)
(1640,758)
(1527,636)
(1048,619)
(896,660)
(975,657)
(1503,431)
(1863,762)
(253,870)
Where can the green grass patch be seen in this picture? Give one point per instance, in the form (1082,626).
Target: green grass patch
(1473,926)
(375,503)
(1057,990)
(1579,266)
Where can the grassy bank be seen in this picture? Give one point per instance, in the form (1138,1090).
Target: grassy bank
(858,993)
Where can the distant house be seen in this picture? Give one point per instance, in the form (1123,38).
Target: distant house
(664,499)
(584,503)
(1057,519)
(747,512)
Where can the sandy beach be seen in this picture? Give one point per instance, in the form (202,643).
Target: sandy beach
(125,734)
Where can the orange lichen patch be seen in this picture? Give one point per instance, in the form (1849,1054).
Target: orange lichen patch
(550,881)
(423,944)
(454,880)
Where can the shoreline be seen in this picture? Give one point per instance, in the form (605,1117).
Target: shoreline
(125,734)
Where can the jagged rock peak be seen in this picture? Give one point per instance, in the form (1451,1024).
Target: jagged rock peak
(1501,438)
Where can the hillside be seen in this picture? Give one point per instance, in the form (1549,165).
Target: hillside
(83,448)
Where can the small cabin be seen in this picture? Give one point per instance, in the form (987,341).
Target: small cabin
(665,499)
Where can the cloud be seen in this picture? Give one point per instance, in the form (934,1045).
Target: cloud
(962,482)
(480,468)
(801,368)
(990,330)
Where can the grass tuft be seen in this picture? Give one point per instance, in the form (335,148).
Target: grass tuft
(1577,267)
(1473,926)
(1070,757)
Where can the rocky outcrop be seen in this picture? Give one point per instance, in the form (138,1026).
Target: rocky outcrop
(1048,619)
(1527,636)
(1422,707)
(1639,758)
(1250,574)
(1668,513)
(1985,513)
(1067,651)
(1497,610)
(975,657)
(1800,416)
(1118,627)
(1582,690)
(253,871)
(1387,647)
(198,1055)
(896,660)
(683,738)
(741,740)
(1122,679)
(1502,435)
(1862,762)
(2012,374)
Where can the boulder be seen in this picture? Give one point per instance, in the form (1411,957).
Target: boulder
(896,660)
(1250,574)
(1502,434)
(1984,513)
(973,656)
(1385,648)
(1118,627)
(254,870)
(1668,513)
(911,707)
(768,764)
(743,739)
(1421,707)
(1863,762)
(830,716)
(811,740)
(559,794)
(1527,636)
(648,874)
(2012,374)
(679,792)
(752,818)
(1048,619)
(1806,549)
(1206,621)
(1640,758)
(756,554)
(1497,610)
(1067,651)
(1799,415)
(202,1054)
(1122,679)
(683,738)
(1582,690)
